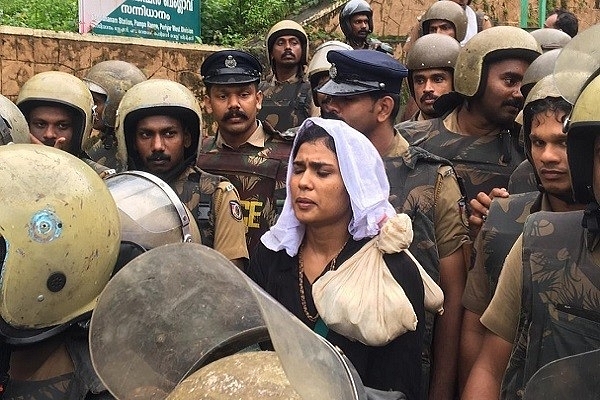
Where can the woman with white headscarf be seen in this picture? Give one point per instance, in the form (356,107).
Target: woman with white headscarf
(336,206)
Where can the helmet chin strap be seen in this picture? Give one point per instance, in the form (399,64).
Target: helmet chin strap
(591,223)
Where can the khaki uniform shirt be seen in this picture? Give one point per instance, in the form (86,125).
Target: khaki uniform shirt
(451,230)
(230,230)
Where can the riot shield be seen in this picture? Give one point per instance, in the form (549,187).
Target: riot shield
(578,63)
(178,307)
(574,377)
(166,312)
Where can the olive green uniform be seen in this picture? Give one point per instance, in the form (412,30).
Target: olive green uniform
(285,104)
(483,162)
(257,169)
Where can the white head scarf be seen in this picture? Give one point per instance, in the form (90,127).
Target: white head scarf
(365,179)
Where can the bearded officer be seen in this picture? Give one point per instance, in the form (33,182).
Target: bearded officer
(161,134)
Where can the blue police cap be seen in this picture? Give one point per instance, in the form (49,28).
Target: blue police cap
(230,67)
(362,71)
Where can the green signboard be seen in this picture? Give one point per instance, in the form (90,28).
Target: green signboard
(173,20)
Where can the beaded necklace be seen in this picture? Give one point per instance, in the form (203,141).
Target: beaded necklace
(329,267)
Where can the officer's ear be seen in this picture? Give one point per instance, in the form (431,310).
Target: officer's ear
(207,104)
(385,107)
(259,99)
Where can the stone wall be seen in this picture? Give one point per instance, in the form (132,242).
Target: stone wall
(26,52)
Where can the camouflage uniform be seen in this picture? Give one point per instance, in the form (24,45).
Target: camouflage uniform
(424,187)
(483,162)
(214,203)
(503,226)
(257,169)
(561,288)
(285,104)
(522,180)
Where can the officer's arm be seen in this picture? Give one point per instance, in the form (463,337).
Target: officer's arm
(446,336)
(487,372)
(451,238)
(475,299)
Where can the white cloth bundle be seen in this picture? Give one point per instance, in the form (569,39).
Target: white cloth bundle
(362,300)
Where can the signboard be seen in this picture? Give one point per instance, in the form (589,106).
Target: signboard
(173,20)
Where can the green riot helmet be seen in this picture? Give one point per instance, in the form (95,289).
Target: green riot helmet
(448,11)
(493,44)
(319,65)
(141,101)
(550,38)
(112,79)
(583,129)
(539,68)
(283,28)
(59,241)
(351,8)
(578,63)
(431,51)
(14,128)
(64,89)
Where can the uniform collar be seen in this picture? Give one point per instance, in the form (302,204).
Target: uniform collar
(257,139)
(399,147)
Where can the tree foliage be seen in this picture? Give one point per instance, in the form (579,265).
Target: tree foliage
(224,22)
(228,22)
(40,14)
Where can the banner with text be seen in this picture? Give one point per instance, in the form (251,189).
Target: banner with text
(173,20)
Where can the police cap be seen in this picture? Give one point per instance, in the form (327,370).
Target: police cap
(230,67)
(362,71)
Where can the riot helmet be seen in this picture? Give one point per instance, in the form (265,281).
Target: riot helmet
(449,11)
(150,211)
(319,66)
(283,28)
(59,242)
(112,79)
(550,38)
(493,44)
(539,68)
(13,126)
(432,51)
(351,8)
(583,129)
(64,89)
(175,100)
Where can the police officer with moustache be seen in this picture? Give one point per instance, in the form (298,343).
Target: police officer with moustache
(545,146)
(356,23)
(477,131)
(244,150)
(108,81)
(161,134)
(443,18)
(430,65)
(421,185)
(286,92)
